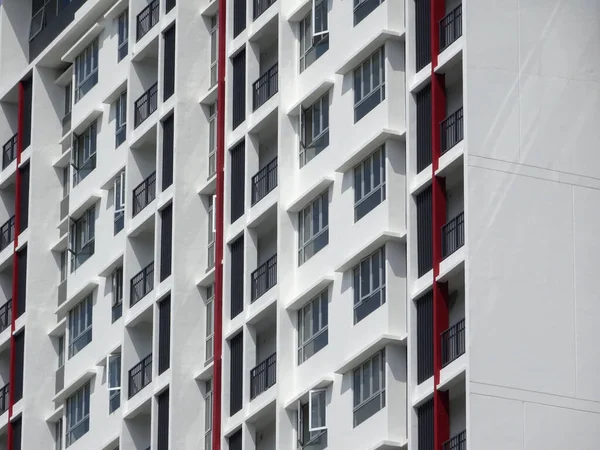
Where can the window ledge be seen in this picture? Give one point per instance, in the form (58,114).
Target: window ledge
(116,10)
(78,382)
(82,43)
(112,265)
(116,91)
(307,196)
(303,394)
(300,300)
(389,445)
(378,241)
(362,53)
(76,297)
(89,118)
(300,11)
(369,350)
(310,97)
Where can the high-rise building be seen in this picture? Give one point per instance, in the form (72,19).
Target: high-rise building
(382,237)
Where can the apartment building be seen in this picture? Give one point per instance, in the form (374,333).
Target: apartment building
(382,237)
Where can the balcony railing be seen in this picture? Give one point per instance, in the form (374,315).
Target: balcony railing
(5,315)
(458,442)
(7,233)
(147,18)
(4,398)
(9,152)
(265,87)
(264,278)
(260,6)
(144,193)
(452,130)
(145,105)
(453,235)
(142,284)
(451,27)
(264,181)
(263,376)
(140,375)
(453,342)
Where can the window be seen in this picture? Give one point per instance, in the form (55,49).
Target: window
(82,238)
(212,139)
(314,129)
(123,25)
(314,41)
(119,201)
(78,414)
(86,70)
(61,351)
(214,48)
(68,102)
(312,420)
(113,381)
(313,228)
(58,434)
(65,181)
(312,327)
(211,231)
(369,285)
(362,8)
(63,265)
(208,415)
(80,326)
(210,297)
(121,119)
(369,388)
(369,84)
(369,184)
(117,293)
(83,158)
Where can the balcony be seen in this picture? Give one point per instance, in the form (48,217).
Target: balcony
(145,105)
(4,398)
(264,278)
(144,194)
(264,181)
(7,233)
(453,342)
(451,130)
(9,151)
(265,87)
(140,375)
(5,315)
(260,6)
(458,442)
(450,27)
(263,376)
(453,235)
(142,284)
(146,19)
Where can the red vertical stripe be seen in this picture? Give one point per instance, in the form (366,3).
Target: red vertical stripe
(218,301)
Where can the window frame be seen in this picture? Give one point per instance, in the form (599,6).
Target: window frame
(121,119)
(82,395)
(309,308)
(322,104)
(212,139)
(302,416)
(304,243)
(86,69)
(317,393)
(113,391)
(308,42)
(83,312)
(117,293)
(210,323)
(58,434)
(208,425)
(214,49)
(82,237)
(123,35)
(360,192)
(84,152)
(366,92)
(381,392)
(211,232)
(363,297)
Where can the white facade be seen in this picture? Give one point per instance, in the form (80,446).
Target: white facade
(519,374)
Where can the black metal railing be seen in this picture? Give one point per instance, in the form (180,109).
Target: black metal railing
(453,342)
(9,151)
(265,87)
(145,105)
(451,130)
(144,194)
(453,235)
(140,375)
(264,278)
(4,398)
(458,442)
(450,27)
(7,233)
(5,315)
(142,284)
(263,376)
(264,181)
(260,6)
(147,18)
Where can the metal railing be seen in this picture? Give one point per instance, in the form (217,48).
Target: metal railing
(263,376)
(450,27)
(144,194)
(264,278)
(146,19)
(453,235)
(453,342)
(9,151)
(7,233)
(458,442)
(142,284)
(260,6)
(145,105)
(4,398)
(264,181)
(140,375)
(265,87)
(451,130)
(5,315)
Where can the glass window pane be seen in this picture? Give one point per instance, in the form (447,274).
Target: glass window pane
(377,163)
(365,287)
(357,387)
(325,210)
(356,286)
(366,78)
(375,364)
(367,176)
(357,86)
(324,310)
(366,382)
(376,79)
(325,112)
(375,270)
(307,322)
(357,184)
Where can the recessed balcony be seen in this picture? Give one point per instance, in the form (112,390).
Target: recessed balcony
(264,277)
(452,130)
(453,235)
(147,18)
(9,151)
(145,105)
(142,284)
(140,375)
(264,181)
(263,376)
(265,87)
(450,27)
(144,194)
(453,342)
